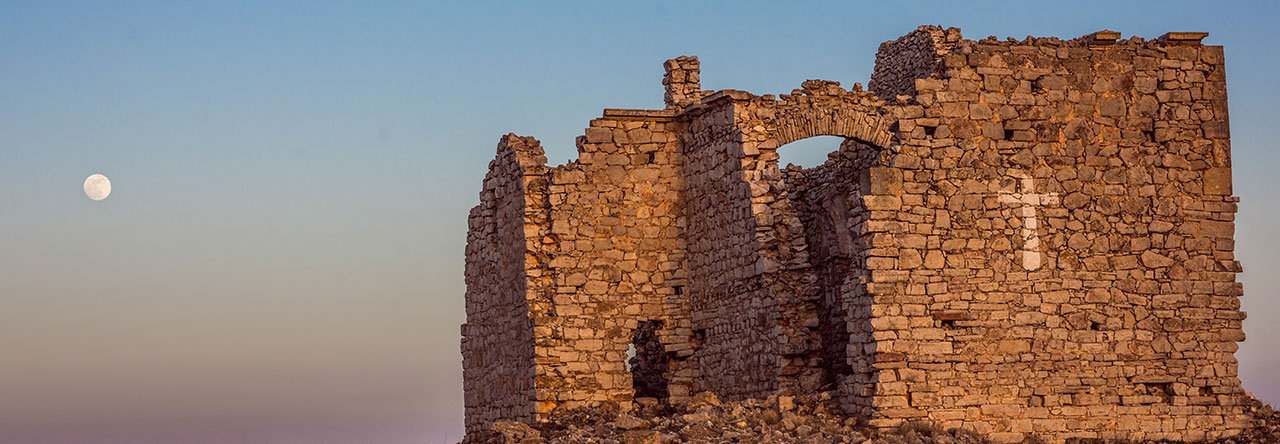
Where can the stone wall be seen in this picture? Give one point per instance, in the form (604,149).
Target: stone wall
(555,300)
(682,82)
(734,315)
(617,260)
(497,340)
(1072,203)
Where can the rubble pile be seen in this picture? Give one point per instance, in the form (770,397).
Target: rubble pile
(781,418)
(1267,429)
(784,417)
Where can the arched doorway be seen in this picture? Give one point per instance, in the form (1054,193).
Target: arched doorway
(824,197)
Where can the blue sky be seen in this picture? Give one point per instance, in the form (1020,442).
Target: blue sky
(281,257)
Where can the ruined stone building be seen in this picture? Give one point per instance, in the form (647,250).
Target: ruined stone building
(1021,238)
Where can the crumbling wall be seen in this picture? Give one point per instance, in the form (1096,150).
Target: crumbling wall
(917,55)
(781,246)
(768,124)
(498,337)
(819,198)
(1071,201)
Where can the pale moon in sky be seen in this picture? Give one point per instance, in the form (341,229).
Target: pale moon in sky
(97,187)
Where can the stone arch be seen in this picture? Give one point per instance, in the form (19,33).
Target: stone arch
(842,121)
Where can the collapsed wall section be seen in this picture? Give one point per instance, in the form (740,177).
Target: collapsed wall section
(501,279)
(1059,259)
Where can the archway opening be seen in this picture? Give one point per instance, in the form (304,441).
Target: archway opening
(810,152)
(824,188)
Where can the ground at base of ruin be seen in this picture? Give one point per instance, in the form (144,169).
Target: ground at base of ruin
(781,418)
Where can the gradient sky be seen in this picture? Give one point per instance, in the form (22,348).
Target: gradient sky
(280,260)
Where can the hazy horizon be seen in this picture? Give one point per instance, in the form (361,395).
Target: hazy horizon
(281,256)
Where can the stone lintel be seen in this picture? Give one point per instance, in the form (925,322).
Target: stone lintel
(1182,38)
(658,115)
(727,94)
(1102,38)
(890,357)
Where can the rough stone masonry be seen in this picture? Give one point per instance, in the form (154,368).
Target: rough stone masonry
(1022,238)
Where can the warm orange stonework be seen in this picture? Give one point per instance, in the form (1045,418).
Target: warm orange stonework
(1016,237)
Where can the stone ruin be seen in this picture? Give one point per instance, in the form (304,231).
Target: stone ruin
(1021,238)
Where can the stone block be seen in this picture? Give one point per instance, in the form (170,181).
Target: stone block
(883,181)
(875,202)
(950,315)
(1217,181)
(1217,130)
(599,135)
(1111,107)
(1182,38)
(1155,260)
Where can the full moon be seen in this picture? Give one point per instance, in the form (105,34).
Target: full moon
(97,187)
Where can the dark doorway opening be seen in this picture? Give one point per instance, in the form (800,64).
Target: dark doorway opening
(650,363)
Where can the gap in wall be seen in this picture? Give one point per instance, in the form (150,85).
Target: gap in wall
(808,153)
